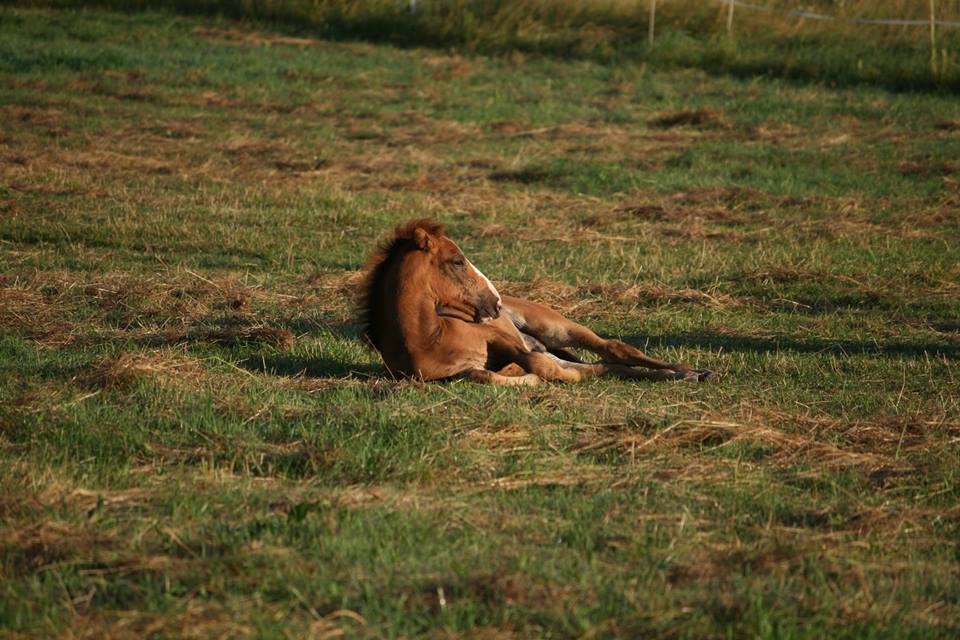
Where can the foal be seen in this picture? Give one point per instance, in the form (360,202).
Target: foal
(432,315)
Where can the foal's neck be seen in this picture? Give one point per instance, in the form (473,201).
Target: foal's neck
(417,316)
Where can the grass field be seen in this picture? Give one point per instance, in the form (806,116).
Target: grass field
(194,442)
(763,39)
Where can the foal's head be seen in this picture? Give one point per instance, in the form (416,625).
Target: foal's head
(461,290)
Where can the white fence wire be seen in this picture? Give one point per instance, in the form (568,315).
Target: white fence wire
(811,15)
(796,13)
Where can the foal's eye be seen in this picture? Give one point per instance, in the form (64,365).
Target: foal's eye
(458,262)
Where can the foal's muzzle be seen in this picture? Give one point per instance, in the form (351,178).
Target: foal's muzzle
(489,310)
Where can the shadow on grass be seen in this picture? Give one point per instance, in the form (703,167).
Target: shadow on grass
(289,365)
(714,341)
(285,364)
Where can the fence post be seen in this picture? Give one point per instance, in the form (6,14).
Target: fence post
(933,37)
(730,16)
(653,20)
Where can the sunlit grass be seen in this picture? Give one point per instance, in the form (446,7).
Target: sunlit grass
(195,442)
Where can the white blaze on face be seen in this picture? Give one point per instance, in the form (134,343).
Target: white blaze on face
(489,284)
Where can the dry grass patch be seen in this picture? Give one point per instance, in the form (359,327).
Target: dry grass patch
(945,216)
(35,544)
(273,336)
(246,148)
(788,274)
(557,294)
(36,538)
(659,293)
(28,313)
(163,309)
(780,132)
(390,169)
(929,168)
(44,490)
(658,212)
(506,438)
(481,633)
(782,448)
(196,620)
(446,67)
(113,162)
(424,133)
(257,458)
(720,562)
(164,366)
(492,588)
(38,118)
(591,298)
(575,130)
(122,90)
(87,500)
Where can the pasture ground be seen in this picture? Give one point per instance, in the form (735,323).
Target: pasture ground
(193,441)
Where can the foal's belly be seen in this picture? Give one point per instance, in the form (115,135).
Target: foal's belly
(448,358)
(464,346)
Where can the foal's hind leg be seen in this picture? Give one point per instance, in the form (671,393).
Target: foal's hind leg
(492,377)
(550,367)
(558,332)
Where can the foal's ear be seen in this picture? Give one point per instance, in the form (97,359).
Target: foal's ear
(423,239)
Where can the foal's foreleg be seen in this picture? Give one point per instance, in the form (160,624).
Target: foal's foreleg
(558,332)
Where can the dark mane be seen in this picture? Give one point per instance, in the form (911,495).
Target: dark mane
(376,269)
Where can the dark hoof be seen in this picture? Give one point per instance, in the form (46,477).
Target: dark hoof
(704,375)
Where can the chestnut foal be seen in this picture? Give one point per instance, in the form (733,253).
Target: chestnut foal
(432,315)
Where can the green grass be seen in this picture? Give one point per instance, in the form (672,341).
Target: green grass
(178,193)
(766,40)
